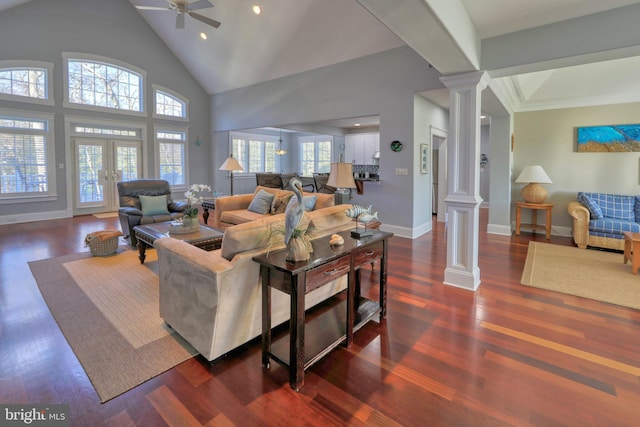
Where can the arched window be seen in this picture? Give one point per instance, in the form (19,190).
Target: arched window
(96,83)
(26,81)
(168,103)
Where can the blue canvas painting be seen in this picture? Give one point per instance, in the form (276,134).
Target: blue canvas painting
(613,138)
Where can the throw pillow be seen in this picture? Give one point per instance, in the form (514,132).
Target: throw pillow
(592,205)
(309,202)
(154,205)
(261,203)
(280,203)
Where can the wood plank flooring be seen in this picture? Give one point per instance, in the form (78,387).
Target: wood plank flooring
(506,355)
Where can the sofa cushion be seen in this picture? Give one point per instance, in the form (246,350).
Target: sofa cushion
(261,202)
(154,205)
(613,227)
(280,202)
(239,216)
(614,206)
(331,219)
(592,205)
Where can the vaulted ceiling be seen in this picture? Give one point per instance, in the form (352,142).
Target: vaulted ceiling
(291,36)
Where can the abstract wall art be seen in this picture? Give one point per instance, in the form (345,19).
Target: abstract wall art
(609,139)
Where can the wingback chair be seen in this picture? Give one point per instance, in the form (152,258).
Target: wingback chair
(132,212)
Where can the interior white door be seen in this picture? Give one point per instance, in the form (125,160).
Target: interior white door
(99,165)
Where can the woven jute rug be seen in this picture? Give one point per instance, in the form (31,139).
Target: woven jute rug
(108,310)
(593,274)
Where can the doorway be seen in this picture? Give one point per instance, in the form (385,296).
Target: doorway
(99,164)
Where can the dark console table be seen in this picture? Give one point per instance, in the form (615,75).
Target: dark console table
(307,342)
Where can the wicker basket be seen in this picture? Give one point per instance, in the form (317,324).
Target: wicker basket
(101,247)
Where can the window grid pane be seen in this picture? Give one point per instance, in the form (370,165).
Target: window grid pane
(90,165)
(24,163)
(127,162)
(323,164)
(269,156)
(255,156)
(29,82)
(172,163)
(168,105)
(103,85)
(307,158)
(239,152)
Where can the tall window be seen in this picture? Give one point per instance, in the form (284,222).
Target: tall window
(171,149)
(256,153)
(169,104)
(315,154)
(100,84)
(25,156)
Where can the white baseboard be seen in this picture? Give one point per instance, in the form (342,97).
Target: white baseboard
(32,217)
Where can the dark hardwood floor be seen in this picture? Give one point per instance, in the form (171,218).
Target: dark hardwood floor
(505,355)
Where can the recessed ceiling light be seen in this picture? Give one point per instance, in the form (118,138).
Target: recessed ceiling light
(203,36)
(483,117)
(356,124)
(257,9)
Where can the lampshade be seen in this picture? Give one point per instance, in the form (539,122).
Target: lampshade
(534,173)
(231,164)
(341,176)
(534,192)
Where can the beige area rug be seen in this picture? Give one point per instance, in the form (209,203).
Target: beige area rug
(592,274)
(106,215)
(107,309)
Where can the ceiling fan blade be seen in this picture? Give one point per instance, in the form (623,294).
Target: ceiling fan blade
(180,21)
(152,8)
(151,4)
(204,19)
(200,4)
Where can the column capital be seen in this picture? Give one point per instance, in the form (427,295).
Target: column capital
(466,80)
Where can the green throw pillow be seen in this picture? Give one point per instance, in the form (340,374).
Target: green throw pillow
(261,203)
(154,205)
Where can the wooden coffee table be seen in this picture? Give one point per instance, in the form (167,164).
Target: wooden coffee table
(632,250)
(206,238)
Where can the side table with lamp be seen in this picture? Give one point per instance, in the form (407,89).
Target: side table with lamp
(534,196)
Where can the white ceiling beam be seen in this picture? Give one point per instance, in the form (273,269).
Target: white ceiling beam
(612,34)
(438,30)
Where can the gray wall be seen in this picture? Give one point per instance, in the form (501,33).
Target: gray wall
(548,138)
(382,84)
(41,30)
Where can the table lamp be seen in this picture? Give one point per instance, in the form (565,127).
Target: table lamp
(231,165)
(533,192)
(341,178)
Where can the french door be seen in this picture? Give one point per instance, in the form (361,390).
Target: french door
(99,165)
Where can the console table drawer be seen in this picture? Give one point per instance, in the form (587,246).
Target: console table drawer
(326,273)
(368,254)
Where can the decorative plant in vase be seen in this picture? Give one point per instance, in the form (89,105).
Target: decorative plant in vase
(195,196)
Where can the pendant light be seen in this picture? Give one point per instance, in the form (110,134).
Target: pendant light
(281,151)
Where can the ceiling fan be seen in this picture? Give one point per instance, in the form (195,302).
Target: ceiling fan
(181,7)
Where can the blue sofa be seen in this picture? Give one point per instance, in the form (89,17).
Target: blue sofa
(600,219)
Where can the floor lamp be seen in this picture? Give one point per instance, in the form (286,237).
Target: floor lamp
(231,165)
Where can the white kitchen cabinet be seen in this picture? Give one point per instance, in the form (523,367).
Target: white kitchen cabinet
(360,148)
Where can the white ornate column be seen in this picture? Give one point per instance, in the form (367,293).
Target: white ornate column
(463,190)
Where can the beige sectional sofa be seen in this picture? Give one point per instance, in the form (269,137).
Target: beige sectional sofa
(213,299)
(233,210)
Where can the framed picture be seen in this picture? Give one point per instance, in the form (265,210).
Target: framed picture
(424,158)
(609,139)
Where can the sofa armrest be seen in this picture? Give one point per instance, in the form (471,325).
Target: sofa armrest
(581,217)
(231,203)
